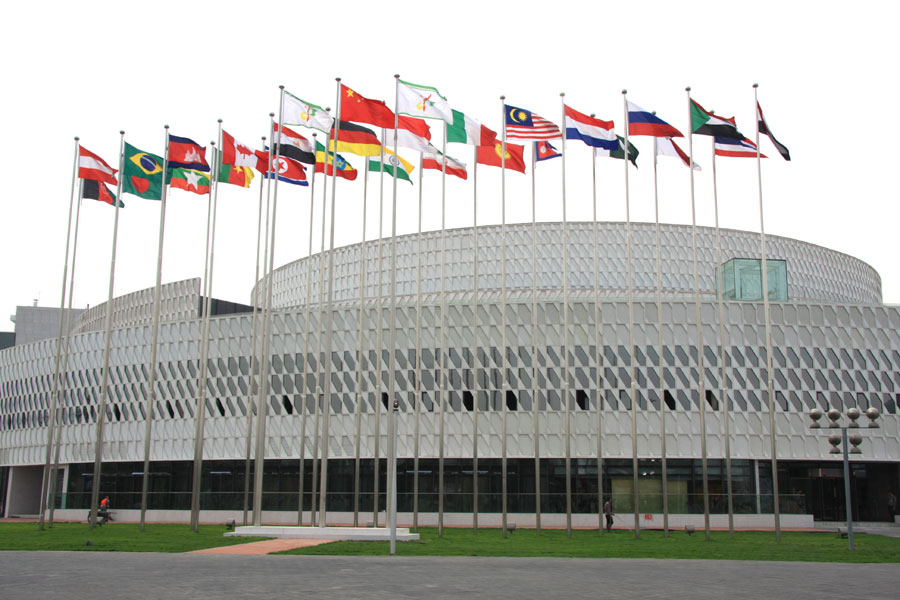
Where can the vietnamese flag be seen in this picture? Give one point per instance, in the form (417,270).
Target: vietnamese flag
(491,155)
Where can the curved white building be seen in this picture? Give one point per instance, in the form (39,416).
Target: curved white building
(466,371)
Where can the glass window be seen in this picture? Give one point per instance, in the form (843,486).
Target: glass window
(741,279)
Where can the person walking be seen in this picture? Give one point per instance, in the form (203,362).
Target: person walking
(609,514)
(892,505)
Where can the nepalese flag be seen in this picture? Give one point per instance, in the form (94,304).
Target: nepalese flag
(591,131)
(91,166)
(185,153)
(764,129)
(642,122)
(668,147)
(736,148)
(523,124)
(289,171)
(704,122)
(544,151)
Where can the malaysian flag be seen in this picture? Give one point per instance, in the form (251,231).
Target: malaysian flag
(523,124)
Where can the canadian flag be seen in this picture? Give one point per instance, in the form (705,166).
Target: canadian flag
(235,152)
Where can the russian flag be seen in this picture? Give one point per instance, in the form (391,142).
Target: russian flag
(642,122)
(591,131)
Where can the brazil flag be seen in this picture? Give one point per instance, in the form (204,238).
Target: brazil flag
(142,174)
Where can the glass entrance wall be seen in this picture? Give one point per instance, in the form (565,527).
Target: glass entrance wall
(741,279)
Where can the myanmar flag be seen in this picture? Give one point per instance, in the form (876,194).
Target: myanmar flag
(189,180)
(241,176)
(704,122)
(394,165)
(142,173)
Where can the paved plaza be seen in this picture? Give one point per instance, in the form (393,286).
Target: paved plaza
(92,575)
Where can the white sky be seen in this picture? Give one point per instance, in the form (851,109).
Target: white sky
(93,68)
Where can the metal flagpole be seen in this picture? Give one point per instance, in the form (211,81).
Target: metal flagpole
(595,242)
(475,382)
(263,393)
(204,366)
(502,365)
(360,398)
(326,398)
(631,354)
(392,466)
(700,375)
(442,350)
(769,372)
(418,384)
(56,374)
(535,369)
(254,300)
(723,381)
(65,363)
(104,382)
(662,393)
(565,369)
(302,408)
(379,339)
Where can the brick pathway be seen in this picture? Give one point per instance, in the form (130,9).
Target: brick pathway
(262,547)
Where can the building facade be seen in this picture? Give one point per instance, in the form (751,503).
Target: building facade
(525,379)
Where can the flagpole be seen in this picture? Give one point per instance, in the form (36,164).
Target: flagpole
(475,382)
(101,408)
(595,242)
(301,466)
(204,366)
(769,373)
(565,370)
(65,359)
(418,398)
(263,391)
(502,365)
(535,400)
(700,375)
(379,338)
(443,346)
(56,376)
(661,390)
(326,408)
(360,397)
(723,381)
(392,377)
(254,338)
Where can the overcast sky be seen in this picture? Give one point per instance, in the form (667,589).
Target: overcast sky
(92,68)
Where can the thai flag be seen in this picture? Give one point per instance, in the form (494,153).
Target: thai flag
(591,131)
(736,148)
(642,122)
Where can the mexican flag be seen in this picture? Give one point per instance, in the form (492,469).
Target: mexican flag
(142,173)
(391,166)
(241,176)
(189,180)
(704,122)
(464,130)
(422,101)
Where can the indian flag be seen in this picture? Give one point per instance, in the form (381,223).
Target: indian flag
(465,130)
(704,122)
(422,101)
(394,166)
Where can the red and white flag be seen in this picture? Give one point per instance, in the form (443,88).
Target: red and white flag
(236,153)
(91,166)
(434,160)
(667,147)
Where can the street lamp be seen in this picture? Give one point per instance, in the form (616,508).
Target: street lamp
(854,440)
(393,481)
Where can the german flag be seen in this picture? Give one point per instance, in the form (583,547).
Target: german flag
(355,139)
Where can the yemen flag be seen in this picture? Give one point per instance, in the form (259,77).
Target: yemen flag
(491,155)
(356,139)
(464,130)
(344,169)
(394,166)
(189,180)
(241,176)
(436,161)
(142,173)
(91,166)
(704,122)
(95,190)
(620,152)
(185,153)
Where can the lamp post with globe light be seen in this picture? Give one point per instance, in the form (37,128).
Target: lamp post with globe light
(854,440)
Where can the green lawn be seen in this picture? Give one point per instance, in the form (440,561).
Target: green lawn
(794,546)
(114,537)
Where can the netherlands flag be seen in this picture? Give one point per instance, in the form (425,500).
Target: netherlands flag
(591,131)
(642,122)
(736,148)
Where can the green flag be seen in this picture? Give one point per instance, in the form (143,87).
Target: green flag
(393,164)
(142,174)
(620,152)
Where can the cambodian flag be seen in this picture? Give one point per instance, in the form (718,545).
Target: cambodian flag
(591,131)
(642,122)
